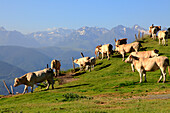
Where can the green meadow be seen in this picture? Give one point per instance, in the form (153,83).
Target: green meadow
(110,87)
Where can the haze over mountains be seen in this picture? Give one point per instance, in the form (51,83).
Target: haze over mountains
(21,53)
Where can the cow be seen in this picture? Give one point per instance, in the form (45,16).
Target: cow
(104,49)
(162,35)
(144,54)
(127,48)
(55,64)
(153,30)
(32,78)
(121,41)
(91,63)
(82,62)
(143,65)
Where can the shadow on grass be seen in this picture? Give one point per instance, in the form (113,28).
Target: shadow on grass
(72,86)
(105,66)
(143,49)
(99,64)
(117,56)
(79,73)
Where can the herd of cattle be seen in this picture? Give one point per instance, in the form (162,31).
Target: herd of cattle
(143,61)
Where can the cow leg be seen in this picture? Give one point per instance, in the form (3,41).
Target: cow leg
(144,74)
(92,67)
(55,72)
(159,41)
(48,85)
(26,88)
(52,84)
(89,68)
(132,67)
(163,42)
(108,55)
(164,74)
(160,77)
(102,55)
(140,74)
(123,56)
(32,87)
(166,42)
(58,72)
(51,81)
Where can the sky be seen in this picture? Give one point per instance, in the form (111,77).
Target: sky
(29,16)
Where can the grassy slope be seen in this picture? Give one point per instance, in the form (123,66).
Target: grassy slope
(113,86)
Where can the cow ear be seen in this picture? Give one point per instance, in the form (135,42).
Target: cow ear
(156,51)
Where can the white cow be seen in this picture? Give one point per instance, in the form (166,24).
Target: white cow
(143,65)
(32,78)
(162,35)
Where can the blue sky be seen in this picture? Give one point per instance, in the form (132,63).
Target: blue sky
(36,15)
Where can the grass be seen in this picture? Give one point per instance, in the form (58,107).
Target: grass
(110,87)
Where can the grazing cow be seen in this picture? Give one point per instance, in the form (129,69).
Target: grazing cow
(143,65)
(55,64)
(127,48)
(121,41)
(144,54)
(153,30)
(162,35)
(82,62)
(32,78)
(104,49)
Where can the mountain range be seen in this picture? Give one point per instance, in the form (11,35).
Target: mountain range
(22,53)
(84,37)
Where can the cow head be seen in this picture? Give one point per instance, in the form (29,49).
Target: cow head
(159,28)
(117,48)
(155,53)
(75,61)
(131,58)
(16,82)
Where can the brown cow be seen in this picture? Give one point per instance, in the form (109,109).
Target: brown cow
(121,41)
(55,64)
(32,78)
(153,30)
(127,48)
(104,49)
(162,35)
(143,65)
(144,54)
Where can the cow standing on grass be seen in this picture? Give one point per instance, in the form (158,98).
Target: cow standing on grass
(86,62)
(32,78)
(153,30)
(144,54)
(143,65)
(104,49)
(82,62)
(127,48)
(55,64)
(162,35)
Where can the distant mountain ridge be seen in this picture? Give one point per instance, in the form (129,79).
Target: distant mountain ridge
(63,37)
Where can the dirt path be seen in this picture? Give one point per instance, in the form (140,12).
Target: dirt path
(67,77)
